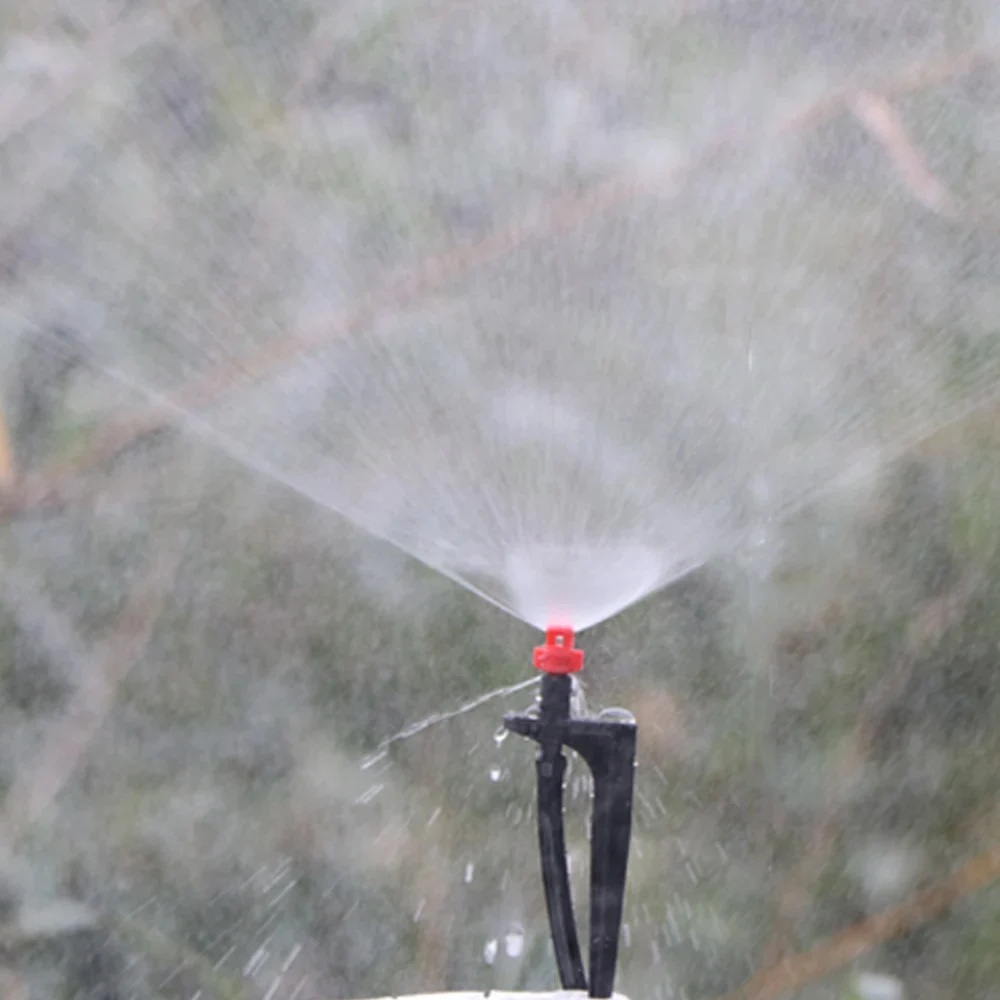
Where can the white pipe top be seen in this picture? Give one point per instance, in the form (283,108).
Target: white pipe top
(500,995)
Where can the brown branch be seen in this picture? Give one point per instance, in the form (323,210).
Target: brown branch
(882,122)
(8,466)
(54,483)
(792,974)
(69,736)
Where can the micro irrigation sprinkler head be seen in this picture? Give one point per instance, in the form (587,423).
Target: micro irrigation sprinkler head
(607,745)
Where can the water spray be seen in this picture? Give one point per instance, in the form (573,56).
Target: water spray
(607,744)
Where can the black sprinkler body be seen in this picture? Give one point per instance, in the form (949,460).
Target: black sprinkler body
(608,747)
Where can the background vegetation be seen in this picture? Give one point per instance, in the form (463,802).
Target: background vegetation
(196,664)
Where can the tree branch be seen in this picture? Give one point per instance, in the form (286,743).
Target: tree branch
(792,974)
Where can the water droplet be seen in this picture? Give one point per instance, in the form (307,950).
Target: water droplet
(500,735)
(470,870)
(419,911)
(496,772)
(369,795)
(513,941)
(616,715)
(490,951)
(626,935)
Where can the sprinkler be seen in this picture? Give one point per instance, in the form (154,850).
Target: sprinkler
(608,748)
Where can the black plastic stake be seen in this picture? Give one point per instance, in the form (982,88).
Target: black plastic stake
(608,747)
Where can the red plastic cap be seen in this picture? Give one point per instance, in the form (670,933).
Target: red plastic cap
(558,656)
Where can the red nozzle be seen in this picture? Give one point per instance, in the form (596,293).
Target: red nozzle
(558,656)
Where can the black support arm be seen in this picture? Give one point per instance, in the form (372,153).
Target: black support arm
(608,747)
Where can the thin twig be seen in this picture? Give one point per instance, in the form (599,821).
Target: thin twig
(791,974)
(882,122)
(8,466)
